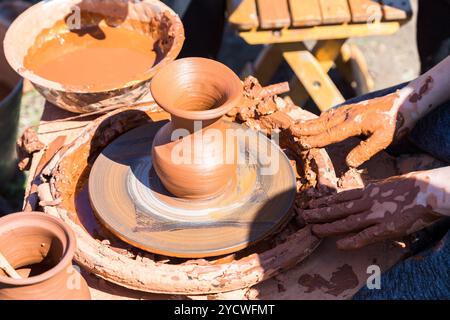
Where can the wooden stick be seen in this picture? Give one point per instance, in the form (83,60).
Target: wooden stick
(6,266)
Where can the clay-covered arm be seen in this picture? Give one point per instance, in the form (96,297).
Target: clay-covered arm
(437,196)
(382,119)
(387,209)
(425,93)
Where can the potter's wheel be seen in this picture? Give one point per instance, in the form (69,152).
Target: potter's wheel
(129,199)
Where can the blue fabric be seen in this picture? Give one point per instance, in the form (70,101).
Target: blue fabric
(427,274)
(423,276)
(432,133)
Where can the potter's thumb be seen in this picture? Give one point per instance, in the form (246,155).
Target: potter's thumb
(367,149)
(355,158)
(360,154)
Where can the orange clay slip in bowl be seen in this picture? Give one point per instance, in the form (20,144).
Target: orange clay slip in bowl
(85,55)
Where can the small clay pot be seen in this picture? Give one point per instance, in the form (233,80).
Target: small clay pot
(197,92)
(40,247)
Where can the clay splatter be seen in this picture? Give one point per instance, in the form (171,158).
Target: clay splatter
(341,280)
(426,87)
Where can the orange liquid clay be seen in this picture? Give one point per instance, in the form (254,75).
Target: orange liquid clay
(84,60)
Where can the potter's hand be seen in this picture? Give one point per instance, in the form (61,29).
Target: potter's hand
(377,118)
(382,120)
(387,209)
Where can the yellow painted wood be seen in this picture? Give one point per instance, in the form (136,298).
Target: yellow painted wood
(242,14)
(298,92)
(360,71)
(326,52)
(305,13)
(335,11)
(319,33)
(353,67)
(396,9)
(343,63)
(310,73)
(365,10)
(273,14)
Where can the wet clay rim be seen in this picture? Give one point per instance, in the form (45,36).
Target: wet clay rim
(195,69)
(22,21)
(23,219)
(157,277)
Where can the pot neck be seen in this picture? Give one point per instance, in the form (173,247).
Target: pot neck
(195,125)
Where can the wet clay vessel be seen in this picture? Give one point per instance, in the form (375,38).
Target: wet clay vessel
(197,92)
(40,247)
(202,191)
(106,26)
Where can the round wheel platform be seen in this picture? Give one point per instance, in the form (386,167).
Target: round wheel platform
(129,199)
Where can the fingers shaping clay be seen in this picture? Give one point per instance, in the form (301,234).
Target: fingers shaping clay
(378,119)
(387,209)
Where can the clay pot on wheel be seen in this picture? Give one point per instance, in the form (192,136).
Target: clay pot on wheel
(40,247)
(192,154)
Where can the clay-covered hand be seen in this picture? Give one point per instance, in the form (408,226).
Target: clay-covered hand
(388,209)
(382,119)
(376,118)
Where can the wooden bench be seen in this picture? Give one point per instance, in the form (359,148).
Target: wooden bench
(284,25)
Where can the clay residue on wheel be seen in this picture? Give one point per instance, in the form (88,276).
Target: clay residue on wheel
(107,256)
(70,179)
(262,109)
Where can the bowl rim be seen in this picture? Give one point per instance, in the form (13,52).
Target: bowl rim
(8,42)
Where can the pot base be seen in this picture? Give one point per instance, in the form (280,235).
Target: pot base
(130,200)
